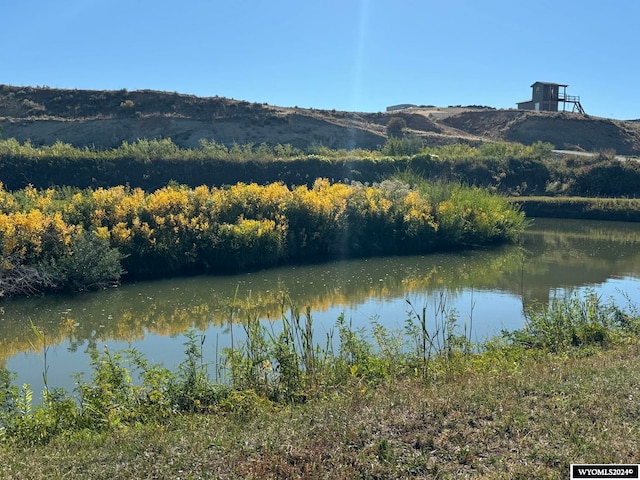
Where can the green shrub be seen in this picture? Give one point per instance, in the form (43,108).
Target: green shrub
(402,146)
(90,264)
(570,323)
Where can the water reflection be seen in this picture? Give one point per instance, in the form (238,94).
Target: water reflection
(487,287)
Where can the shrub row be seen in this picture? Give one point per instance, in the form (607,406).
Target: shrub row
(617,209)
(177,229)
(151,164)
(509,168)
(166,149)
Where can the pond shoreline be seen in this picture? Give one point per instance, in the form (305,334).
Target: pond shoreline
(485,287)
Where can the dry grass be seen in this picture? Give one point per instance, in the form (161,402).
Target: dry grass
(499,419)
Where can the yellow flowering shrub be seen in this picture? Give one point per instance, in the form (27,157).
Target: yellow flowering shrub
(128,206)
(31,235)
(418,213)
(317,219)
(121,234)
(8,203)
(177,228)
(98,207)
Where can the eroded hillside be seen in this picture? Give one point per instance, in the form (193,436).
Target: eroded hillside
(104,119)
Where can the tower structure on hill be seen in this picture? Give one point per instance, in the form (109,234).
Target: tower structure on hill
(546,97)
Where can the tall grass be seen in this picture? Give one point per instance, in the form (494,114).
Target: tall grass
(573,323)
(292,365)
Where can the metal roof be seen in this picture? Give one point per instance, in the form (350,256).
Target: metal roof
(550,83)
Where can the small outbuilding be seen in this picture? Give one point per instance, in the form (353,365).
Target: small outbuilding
(546,97)
(402,106)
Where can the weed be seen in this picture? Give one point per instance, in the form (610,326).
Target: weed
(571,323)
(191,389)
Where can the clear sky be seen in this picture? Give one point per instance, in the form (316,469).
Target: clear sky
(356,55)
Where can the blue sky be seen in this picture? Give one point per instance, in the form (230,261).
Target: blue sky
(356,55)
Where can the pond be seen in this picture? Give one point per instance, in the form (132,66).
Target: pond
(485,289)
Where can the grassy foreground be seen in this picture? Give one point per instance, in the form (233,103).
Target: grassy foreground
(529,420)
(562,390)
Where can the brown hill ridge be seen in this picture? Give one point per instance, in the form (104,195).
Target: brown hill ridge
(104,119)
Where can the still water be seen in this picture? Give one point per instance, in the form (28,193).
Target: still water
(485,289)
